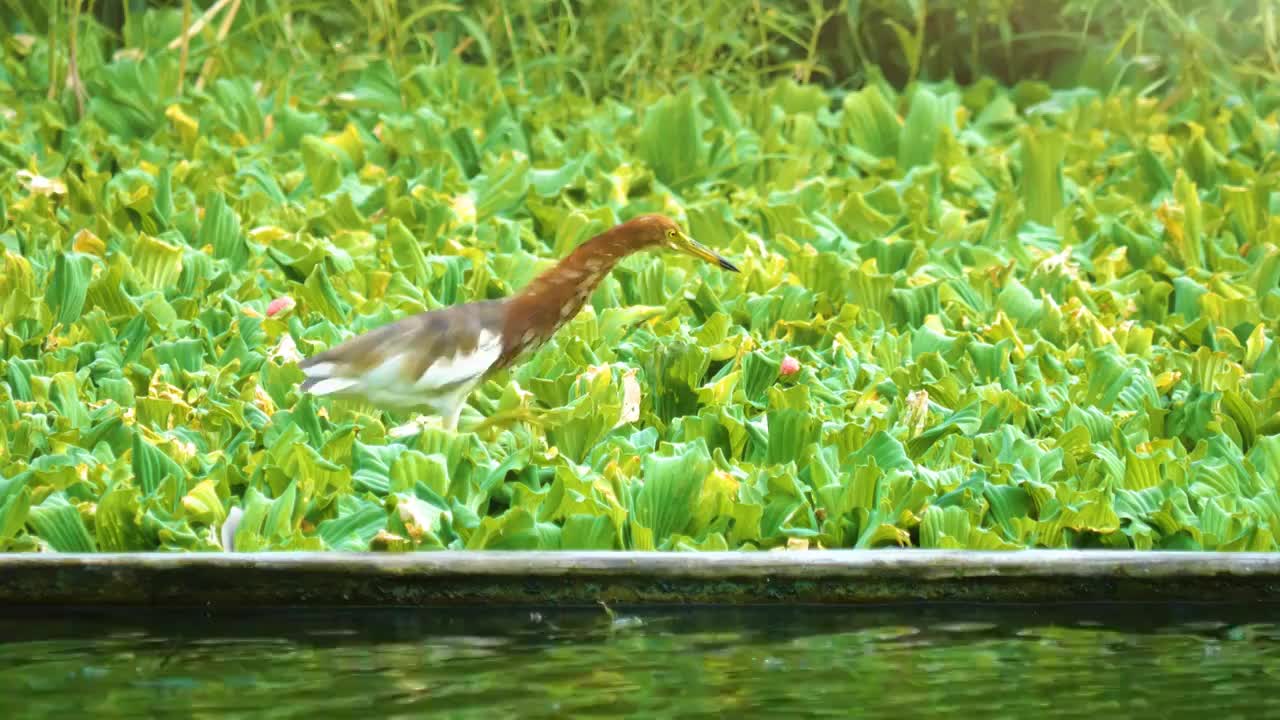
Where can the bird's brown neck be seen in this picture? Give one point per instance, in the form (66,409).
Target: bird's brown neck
(554,297)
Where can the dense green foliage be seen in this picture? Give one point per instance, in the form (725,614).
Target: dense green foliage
(1018,315)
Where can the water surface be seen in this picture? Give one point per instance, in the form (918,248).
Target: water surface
(1163,661)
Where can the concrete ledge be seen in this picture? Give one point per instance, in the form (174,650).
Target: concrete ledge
(587,578)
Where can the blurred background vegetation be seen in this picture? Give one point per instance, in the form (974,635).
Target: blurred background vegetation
(1175,48)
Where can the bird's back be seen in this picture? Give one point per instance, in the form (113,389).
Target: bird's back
(420,360)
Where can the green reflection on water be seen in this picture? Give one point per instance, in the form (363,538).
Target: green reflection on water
(903,662)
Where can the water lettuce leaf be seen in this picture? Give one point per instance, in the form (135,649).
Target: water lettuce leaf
(969,316)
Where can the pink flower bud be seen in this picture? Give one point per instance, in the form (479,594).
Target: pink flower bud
(790,366)
(280,305)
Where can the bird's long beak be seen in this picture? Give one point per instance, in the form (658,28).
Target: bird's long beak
(702,252)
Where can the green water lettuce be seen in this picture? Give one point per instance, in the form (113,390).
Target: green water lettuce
(975,317)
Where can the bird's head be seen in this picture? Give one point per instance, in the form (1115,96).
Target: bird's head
(662,231)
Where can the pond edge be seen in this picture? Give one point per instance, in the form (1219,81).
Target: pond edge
(588,578)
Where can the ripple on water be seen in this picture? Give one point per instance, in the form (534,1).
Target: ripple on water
(661,664)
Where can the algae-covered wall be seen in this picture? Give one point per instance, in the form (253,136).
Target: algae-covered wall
(535,578)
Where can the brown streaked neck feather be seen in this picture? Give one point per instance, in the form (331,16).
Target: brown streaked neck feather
(551,299)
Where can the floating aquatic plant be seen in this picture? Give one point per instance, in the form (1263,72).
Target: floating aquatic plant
(968,317)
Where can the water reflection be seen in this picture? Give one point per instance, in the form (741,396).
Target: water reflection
(870,662)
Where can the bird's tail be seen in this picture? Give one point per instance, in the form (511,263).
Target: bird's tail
(325,377)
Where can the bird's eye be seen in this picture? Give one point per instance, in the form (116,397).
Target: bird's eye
(671,234)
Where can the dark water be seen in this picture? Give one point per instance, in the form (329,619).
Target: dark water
(900,662)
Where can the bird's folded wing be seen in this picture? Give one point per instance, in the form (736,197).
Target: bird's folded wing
(423,353)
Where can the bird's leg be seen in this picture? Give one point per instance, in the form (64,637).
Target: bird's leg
(511,417)
(445,420)
(449,419)
(408,429)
